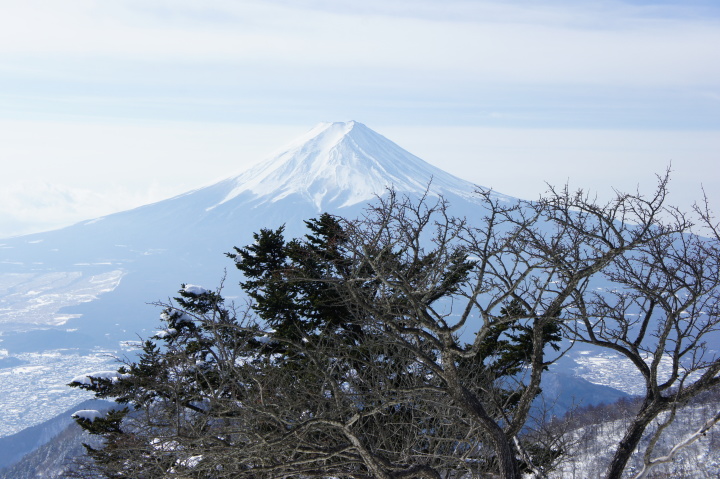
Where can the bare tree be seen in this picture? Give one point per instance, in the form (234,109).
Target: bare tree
(539,256)
(411,343)
(659,313)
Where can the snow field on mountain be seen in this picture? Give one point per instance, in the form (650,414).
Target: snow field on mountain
(343,164)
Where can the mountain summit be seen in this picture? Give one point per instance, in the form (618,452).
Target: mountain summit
(340,164)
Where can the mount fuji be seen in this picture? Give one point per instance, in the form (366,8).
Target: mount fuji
(333,167)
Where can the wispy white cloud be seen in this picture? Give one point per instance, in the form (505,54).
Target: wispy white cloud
(524,43)
(545,64)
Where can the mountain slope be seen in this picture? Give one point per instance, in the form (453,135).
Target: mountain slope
(14,447)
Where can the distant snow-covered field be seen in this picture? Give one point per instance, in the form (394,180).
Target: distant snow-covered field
(29,300)
(614,370)
(36,390)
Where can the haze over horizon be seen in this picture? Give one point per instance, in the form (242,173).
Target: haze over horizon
(107,106)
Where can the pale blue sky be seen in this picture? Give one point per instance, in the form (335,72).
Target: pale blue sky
(106,105)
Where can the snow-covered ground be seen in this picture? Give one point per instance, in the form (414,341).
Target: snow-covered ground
(36,390)
(33,384)
(33,299)
(592,446)
(614,370)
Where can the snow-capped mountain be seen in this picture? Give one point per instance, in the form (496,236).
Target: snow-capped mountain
(333,167)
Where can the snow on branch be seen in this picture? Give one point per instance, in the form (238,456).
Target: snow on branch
(87,414)
(194,289)
(88,378)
